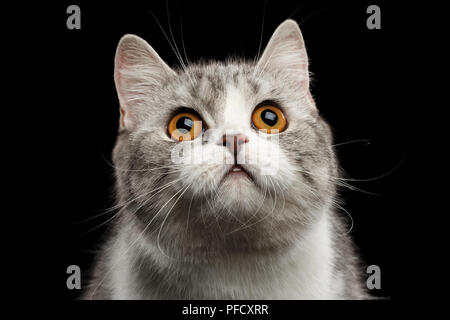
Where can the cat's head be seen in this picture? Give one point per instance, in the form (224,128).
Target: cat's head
(218,149)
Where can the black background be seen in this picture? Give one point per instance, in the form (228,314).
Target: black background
(357,85)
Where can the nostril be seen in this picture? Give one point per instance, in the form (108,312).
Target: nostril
(236,140)
(241,139)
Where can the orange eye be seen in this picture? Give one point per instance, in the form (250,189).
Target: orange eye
(270,118)
(185,126)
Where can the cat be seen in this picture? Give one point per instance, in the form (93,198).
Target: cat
(226,182)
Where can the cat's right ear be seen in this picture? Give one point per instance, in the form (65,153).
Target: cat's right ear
(286,52)
(138,70)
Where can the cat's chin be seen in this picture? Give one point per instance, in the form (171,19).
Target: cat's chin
(238,190)
(237,181)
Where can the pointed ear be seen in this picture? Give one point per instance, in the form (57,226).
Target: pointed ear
(138,71)
(286,52)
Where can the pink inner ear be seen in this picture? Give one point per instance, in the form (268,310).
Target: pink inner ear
(122,117)
(119,66)
(121,62)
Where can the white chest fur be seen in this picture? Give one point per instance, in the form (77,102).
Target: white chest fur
(302,272)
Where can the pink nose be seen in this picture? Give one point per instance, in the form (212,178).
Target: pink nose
(234,141)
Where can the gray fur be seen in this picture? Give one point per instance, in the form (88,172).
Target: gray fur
(192,250)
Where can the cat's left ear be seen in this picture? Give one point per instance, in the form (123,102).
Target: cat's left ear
(138,71)
(286,52)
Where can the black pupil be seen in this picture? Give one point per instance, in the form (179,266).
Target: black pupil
(269,117)
(185,124)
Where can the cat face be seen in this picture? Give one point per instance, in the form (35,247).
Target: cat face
(237,142)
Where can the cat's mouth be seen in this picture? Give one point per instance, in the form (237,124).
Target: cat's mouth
(238,172)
